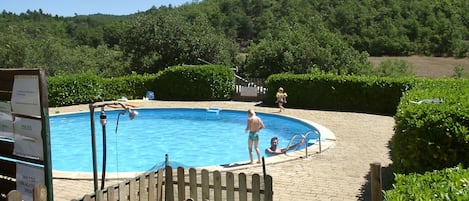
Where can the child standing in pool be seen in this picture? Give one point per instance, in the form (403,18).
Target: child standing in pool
(281,98)
(254,125)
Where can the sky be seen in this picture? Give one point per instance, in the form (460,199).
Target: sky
(68,8)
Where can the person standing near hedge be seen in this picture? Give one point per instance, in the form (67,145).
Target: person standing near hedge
(281,98)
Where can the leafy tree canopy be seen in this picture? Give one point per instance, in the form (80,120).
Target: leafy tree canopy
(272,36)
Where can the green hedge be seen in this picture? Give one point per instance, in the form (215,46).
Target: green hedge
(342,93)
(75,89)
(131,86)
(206,82)
(427,136)
(88,88)
(174,83)
(447,184)
(432,136)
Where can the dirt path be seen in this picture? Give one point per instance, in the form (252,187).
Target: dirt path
(430,66)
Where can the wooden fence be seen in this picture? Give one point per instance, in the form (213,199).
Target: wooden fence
(192,187)
(39,194)
(184,185)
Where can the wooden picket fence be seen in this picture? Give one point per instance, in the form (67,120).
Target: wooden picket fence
(187,185)
(184,185)
(39,194)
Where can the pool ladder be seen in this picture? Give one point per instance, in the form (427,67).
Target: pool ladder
(304,137)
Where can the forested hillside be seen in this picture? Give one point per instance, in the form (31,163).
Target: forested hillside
(261,37)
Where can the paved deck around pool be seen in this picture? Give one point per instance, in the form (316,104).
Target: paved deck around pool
(339,173)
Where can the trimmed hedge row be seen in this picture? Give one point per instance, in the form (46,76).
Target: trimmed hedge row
(446,184)
(432,135)
(205,82)
(340,93)
(174,83)
(88,88)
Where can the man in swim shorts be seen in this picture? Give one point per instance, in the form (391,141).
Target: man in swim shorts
(254,125)
(273,149)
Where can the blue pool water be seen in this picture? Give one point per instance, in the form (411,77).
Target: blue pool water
(190,137)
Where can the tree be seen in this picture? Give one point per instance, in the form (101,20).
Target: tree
(394,68)
(162,38)
(299,48)
(12,50)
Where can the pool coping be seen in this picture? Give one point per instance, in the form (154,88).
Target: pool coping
(328,140)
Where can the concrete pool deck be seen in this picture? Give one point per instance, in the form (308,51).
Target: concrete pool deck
(340,172)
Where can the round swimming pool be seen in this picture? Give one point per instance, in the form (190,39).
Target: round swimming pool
(190,138)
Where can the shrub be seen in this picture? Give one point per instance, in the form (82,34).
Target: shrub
(446,184)
(344,93)
(432,136)
(394,68)
(131,86)
(459,72)
(205,82)
(74,89)
(176,83)
(88,88)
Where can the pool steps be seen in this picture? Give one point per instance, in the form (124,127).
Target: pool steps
(215,110)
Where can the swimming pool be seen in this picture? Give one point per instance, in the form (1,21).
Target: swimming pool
(190,137)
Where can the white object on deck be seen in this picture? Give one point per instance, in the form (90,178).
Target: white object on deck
(248,91)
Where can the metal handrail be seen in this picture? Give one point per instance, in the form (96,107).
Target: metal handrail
(305,136)
(292,138)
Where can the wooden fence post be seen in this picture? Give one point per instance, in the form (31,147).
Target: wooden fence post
(40,192)
(256,187)
(193,182)
(159,185)
(243,190)
(110,193)
(376,194)
(181,184)
(133,189)
(217,185)
(168,184)
(14,195)
(230,186)
(205,185)
(143,190)
(268,193)
(99,195)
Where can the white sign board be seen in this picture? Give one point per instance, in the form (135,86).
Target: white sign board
(25,95)
(28,140)
(27,176)
(6,121)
